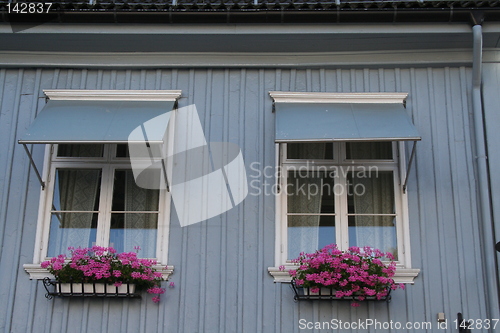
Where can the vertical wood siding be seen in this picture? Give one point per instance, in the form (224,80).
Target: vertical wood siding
(221,278)
(491,102)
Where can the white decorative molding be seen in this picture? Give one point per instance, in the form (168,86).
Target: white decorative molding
(36,272)
(112,95)
(406,275)
(332,60)
(327,97)
(403,275)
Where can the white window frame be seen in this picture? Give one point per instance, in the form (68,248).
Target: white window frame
(404,271)
(51,162)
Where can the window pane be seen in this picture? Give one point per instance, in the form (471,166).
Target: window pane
(129,230)
(309,233)
(371,192)
(80,150)
(71,229)
(127,196)
(369,150)
(378,232)
(140,150)
(310,192)
(76,190)
(122,150)
(315,150)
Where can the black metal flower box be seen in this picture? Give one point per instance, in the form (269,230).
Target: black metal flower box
(304,293)
(93,289)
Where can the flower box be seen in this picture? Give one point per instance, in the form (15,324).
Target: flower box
(101,271)
(94,288)
(355,275)
(97,289)
(302,293)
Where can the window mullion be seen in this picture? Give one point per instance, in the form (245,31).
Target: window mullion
(342,219)
(48,209)
(283,247)
(400,232)
(103,224)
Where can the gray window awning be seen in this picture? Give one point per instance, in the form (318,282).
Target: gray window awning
(310,121)
(343,122)
(83,121)
(118,119)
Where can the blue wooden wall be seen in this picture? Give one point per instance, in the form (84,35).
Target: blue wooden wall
(221,278)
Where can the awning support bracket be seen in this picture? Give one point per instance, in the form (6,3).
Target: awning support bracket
(42,183)
(409,166)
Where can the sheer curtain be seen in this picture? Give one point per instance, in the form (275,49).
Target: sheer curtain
(374,195)
(140,228)
(303,230)
(74,190)
(377,231)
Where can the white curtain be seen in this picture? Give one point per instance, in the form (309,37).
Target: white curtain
(140,228)
(375,231)
(377,198)
(74,190)
(303,231)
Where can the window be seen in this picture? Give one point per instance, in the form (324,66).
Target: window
(90,193)
(341,176)
(93,200)
(341,193)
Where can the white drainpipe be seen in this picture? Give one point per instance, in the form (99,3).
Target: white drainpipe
(485,215)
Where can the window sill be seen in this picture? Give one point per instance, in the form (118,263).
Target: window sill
(403,275)
(36,272)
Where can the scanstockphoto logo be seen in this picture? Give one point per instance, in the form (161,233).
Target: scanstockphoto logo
(205,179)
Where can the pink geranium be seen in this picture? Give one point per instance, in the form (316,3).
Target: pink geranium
(105,265)
(356,272)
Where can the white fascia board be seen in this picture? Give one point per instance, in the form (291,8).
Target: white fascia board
(322,97)
(112,95)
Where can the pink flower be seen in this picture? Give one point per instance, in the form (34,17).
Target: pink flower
(355,304)
(57,266)
(172,284)
(156,299)
(354,249)
(156,290)
(370,292)
(389,256)
(118,283)
(357,272)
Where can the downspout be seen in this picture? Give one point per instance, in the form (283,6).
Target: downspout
(486,220)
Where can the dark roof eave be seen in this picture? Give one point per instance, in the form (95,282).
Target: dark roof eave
(181,14)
